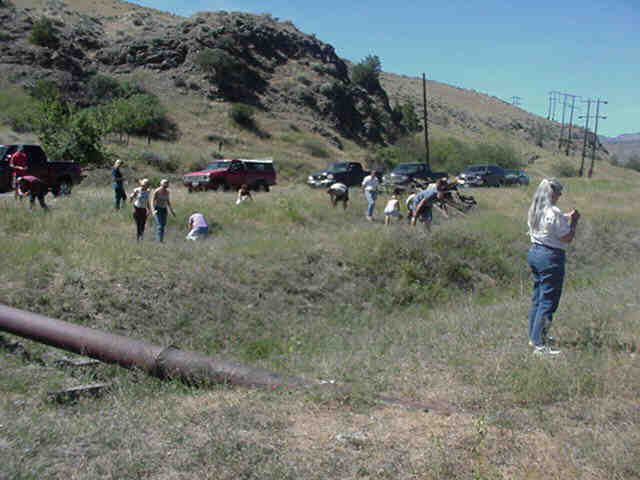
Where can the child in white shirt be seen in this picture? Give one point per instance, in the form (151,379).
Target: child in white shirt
(392,209)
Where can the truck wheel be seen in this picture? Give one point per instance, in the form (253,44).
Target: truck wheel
(265,186)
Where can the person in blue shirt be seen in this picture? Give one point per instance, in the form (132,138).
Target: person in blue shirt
(422,203)
(117,183)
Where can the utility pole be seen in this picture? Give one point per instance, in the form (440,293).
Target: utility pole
(426,125)
(573,104)
(586,134)
(550,103)
(516,101)
(564,108)
(595,134)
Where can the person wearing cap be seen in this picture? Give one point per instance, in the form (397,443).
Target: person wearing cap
(34,187)
(160,202)
(140,199)
(422,203)
(550,232)
(117,183)
(18,164)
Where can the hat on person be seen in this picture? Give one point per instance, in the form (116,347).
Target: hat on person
(144,182)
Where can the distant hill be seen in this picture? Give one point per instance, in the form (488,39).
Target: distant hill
(623,146)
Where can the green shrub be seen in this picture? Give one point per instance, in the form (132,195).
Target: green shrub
(367,73)
(564,169)
(44,34)
(102,89)
(179,82)
(242,115)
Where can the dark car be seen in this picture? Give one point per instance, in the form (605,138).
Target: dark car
(404,173)
(482,176)
(515,177)
(349,173)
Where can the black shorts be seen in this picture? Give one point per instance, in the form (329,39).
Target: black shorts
(339,196)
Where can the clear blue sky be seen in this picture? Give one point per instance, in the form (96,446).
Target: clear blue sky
(588,48)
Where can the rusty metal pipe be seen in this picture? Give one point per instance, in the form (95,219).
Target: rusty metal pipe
(128,353)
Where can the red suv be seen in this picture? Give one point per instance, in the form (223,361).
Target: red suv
(225,174)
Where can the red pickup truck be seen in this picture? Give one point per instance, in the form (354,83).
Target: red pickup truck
(225,174)
(58,176)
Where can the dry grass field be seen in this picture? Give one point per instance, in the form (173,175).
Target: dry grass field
(289,284)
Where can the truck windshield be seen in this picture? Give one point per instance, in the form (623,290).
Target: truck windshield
(3,150)
(407,168)
(217,165)
(339,167)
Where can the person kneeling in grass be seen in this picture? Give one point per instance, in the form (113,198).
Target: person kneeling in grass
(199,228)
(34,187)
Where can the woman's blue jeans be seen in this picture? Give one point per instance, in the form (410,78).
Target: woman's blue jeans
(119,194)
(161,222)
(370,196)
(547,268)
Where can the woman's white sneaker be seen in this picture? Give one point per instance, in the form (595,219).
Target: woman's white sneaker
(545,350)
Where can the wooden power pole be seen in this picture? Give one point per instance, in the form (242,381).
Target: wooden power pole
(426,124)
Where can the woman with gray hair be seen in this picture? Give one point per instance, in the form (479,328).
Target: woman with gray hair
(550,231)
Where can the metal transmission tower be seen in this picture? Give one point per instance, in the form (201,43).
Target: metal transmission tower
(553,103)
(595,134)
(586,134)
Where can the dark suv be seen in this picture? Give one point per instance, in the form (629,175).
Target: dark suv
(482,176)
(404,173)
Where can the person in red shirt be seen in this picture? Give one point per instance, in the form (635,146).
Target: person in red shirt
(34,187)
(18,164)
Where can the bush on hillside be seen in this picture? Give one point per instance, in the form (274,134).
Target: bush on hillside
(44,33)
(564,169)
(367,73)
(242,115)
(405,114)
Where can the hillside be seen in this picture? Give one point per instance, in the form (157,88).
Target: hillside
(623,146)
(302,90)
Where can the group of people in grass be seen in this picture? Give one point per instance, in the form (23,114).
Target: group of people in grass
(550,230)
(158,202)
(419,203)
(550,233)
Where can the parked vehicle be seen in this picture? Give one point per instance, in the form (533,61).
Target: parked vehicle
(482,175)
(349,173)
(233,173)
(515,177)
(60,177)
(404,173)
